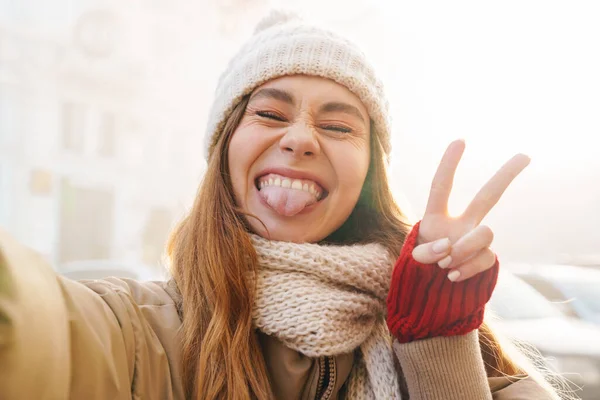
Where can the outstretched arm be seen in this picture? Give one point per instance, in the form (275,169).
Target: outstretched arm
(58,339)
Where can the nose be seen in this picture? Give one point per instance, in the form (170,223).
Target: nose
(300,141)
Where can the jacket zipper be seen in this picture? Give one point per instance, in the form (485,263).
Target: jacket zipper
(332,379)
(327,377)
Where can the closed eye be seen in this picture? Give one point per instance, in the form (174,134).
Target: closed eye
(337,128)
(270,115)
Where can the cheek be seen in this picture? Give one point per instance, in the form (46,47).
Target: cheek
(239,162)
(247,145)
(351,168)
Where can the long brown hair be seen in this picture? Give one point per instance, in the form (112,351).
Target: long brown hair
(212,259)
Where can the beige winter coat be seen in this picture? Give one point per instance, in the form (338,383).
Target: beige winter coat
(118,339)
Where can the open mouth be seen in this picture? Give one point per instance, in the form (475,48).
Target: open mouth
(279,181)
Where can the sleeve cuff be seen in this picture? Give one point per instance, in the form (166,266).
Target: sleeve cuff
(444,368)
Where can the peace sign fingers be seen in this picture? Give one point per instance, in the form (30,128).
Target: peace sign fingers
(437,223)
(491,192)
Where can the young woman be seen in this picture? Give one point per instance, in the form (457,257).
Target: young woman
(295,275)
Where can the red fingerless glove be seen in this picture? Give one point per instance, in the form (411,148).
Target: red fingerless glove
(424,303)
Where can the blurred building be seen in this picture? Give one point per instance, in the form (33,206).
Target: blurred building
(100,127)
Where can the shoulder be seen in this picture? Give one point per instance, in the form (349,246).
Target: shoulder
(154,304)
(143,294)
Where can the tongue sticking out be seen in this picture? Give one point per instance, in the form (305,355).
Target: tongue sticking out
(287,202)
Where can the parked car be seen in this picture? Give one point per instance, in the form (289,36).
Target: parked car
(99,269)
(569,345)
(574,289)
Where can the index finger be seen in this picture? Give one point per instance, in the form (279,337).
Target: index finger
(441,186)
(493,190)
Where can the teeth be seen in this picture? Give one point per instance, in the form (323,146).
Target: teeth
(295,184)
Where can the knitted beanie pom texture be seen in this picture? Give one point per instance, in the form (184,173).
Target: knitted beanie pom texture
(283,44)
(276,17)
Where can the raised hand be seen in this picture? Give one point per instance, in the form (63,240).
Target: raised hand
(461,243)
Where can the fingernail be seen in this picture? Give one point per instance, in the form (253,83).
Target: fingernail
(445,262)
(441,245)
(454,275)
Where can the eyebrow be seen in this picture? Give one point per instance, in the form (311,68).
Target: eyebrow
(276,94)
(342,107)
(287,97)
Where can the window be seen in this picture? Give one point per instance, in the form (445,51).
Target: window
(73,127)
(11,108)
(86,222)
(155,234)
(107,135)
(40,182)
(4,197)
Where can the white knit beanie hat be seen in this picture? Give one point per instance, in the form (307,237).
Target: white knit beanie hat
(283,44)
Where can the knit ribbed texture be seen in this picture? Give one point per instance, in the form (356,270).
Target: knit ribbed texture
(328,300)
(458,372)
(286,45)
(424,303)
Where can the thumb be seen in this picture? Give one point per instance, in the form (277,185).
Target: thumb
(432,252)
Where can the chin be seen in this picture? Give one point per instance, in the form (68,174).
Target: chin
(285,233)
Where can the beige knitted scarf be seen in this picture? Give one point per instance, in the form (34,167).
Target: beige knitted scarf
(327,300)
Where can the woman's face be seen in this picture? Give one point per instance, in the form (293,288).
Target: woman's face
(299,157)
